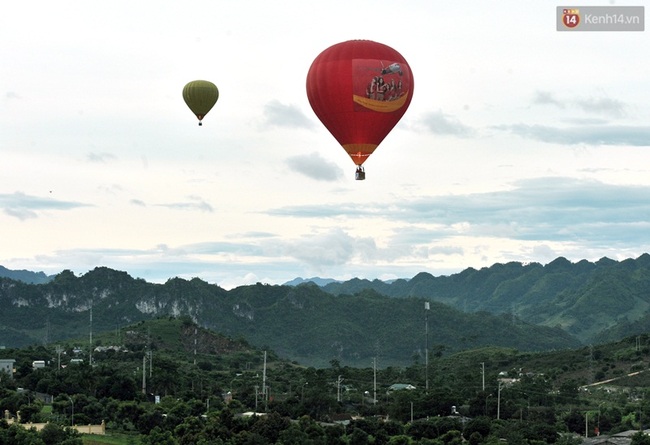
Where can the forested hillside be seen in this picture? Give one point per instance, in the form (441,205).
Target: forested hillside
(301,323)
(25,276)
(530,307)
(594,302)
(170,381)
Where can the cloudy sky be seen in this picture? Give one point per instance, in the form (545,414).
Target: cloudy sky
(521,143)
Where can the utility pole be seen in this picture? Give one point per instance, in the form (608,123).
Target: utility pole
(374,367)
(483,374)
(591,364)
(264,390)
(256,393)
(338,388)
(72,405)
(426,351)
(144,374)
(59,350)
(90,354)
(499,402)
(264,376)
(302,392)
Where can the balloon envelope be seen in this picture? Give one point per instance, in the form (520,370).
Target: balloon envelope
(200,96)
(359,90)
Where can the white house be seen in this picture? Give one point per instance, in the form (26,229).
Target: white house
(7,365)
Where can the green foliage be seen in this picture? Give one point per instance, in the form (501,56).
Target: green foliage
(51,434)
(526,307)
(544,397)
(158,437)
(640,438)
(558,294)
(365,321)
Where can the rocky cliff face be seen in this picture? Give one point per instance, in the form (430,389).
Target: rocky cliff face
(534,307)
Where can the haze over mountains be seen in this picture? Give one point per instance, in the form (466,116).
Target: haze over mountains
(529,307)
(316,280)
(25,276)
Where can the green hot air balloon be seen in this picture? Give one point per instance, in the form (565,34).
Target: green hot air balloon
(200,96)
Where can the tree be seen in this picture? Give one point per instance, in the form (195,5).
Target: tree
(158,437)
(129,413)
(575,422)
(400,440)
(189,432)
(31,412)
(358,437)
(422,429)
(17,435)
(150,419)
(568,392)
(53,434)
(270,426)
(475,438)
(334,435)
(640,438)
(294,435)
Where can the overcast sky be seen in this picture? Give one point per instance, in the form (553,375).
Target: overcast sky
(521,143)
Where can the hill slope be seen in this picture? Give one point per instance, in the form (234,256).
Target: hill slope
(25,276)
(301,323)
(585,299)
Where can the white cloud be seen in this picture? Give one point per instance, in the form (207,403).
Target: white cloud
(321,250)
(547,98)
(193,203)
(601,105)
(100,157)
(443,124)
(512,148)
(280,115)
(23,206)
(315,166)
(590,135)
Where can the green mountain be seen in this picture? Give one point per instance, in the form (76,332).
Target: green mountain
(594,302)
(25,275)
(302,323)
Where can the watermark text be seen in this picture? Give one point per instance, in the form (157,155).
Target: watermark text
(600,18)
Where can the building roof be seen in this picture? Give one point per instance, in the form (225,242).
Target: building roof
(400,386)
(622,438)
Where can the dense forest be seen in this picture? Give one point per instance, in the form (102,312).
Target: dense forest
(526,306)
(151,385)
(302,323)
(516,353)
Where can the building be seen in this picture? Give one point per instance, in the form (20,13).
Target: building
(401,387)
(622,438)
(7,365)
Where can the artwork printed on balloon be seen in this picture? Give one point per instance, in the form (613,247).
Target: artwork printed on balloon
(380,85)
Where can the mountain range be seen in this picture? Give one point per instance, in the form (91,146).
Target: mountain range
(594,302)
(25,276)
(528,307)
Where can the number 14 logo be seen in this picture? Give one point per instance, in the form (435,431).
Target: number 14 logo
(570,17)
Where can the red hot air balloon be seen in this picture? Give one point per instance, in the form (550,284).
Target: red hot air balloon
(359,90)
